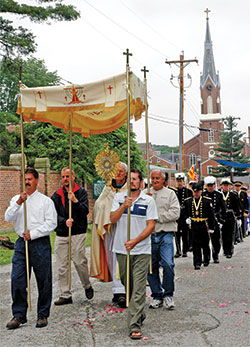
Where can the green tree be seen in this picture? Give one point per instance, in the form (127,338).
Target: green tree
(20,40)
(230,149)
(166,149)
(34,74)
(45,140)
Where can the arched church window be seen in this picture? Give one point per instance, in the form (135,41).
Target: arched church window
(209,104)
(192,158)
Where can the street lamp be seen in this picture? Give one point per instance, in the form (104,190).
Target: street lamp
(199,165)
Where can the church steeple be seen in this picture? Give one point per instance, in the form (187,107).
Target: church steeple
(209,81)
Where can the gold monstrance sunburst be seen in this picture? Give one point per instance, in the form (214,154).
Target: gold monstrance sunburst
(107,164)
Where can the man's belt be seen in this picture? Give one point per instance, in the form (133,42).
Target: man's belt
(198,219)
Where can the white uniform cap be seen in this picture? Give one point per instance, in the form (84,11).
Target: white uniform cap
(180,176)
(209,180)
(226,180)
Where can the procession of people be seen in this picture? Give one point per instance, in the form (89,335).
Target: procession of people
(205,219)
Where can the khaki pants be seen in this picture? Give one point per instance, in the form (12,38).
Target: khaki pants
(77,256)
(138,276)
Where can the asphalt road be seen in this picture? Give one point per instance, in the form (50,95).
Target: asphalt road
(212,309)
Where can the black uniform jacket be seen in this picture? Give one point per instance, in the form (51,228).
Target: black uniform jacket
(232,203)
(201,217)
(218,205)
(80,211)
(182,194)
(244,203)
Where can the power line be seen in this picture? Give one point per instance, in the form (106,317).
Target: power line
(148,25)
(124,29)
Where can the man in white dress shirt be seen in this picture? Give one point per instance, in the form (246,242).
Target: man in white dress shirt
(41,221)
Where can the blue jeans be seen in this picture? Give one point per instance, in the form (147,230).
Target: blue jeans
(162,255)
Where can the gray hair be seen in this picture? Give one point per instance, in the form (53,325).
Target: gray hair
(162,172)
(125,166)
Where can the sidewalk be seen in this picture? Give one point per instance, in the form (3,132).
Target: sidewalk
(212,309)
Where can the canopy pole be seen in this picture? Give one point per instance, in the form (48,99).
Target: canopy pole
(129,170)
(70,189)
(147,140)
(146,126)
(24,203)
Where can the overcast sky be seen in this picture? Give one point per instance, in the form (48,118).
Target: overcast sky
(91,48)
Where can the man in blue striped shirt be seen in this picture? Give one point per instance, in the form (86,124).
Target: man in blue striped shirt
(142,222)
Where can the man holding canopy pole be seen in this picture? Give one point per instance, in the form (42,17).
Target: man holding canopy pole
(143,216)
(41,221)
(78,225)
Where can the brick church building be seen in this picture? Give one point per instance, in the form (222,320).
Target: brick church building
(202,146)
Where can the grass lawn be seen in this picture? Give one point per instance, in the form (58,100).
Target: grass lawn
(6,254)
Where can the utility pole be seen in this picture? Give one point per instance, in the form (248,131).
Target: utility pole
(181,64)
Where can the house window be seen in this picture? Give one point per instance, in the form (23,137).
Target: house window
(192,159)
(211,135)
(209,169)
(158,160)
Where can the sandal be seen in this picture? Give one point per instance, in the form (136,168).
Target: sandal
(135,335)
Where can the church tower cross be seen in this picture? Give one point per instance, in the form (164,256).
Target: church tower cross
(207,12)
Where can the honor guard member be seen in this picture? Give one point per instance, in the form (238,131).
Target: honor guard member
(247,218)
(200,217)
(232,216)
(219,209)
(244,205)
(190,184)
(182,232)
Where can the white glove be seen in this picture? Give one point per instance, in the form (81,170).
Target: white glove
(211,231)
(188,221)
(239,223)
(220,225)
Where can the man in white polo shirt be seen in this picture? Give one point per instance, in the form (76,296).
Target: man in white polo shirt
(143,216)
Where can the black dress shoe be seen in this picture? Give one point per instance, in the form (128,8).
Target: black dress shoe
(89,293)
(184,255)
(206,264)
(41,322)
(63,301)
(197,267)
(15,322)
(122,301)
(216,261)
(177,255)
(229,256)
(115,298)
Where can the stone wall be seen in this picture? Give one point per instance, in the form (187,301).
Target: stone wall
(11,184)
